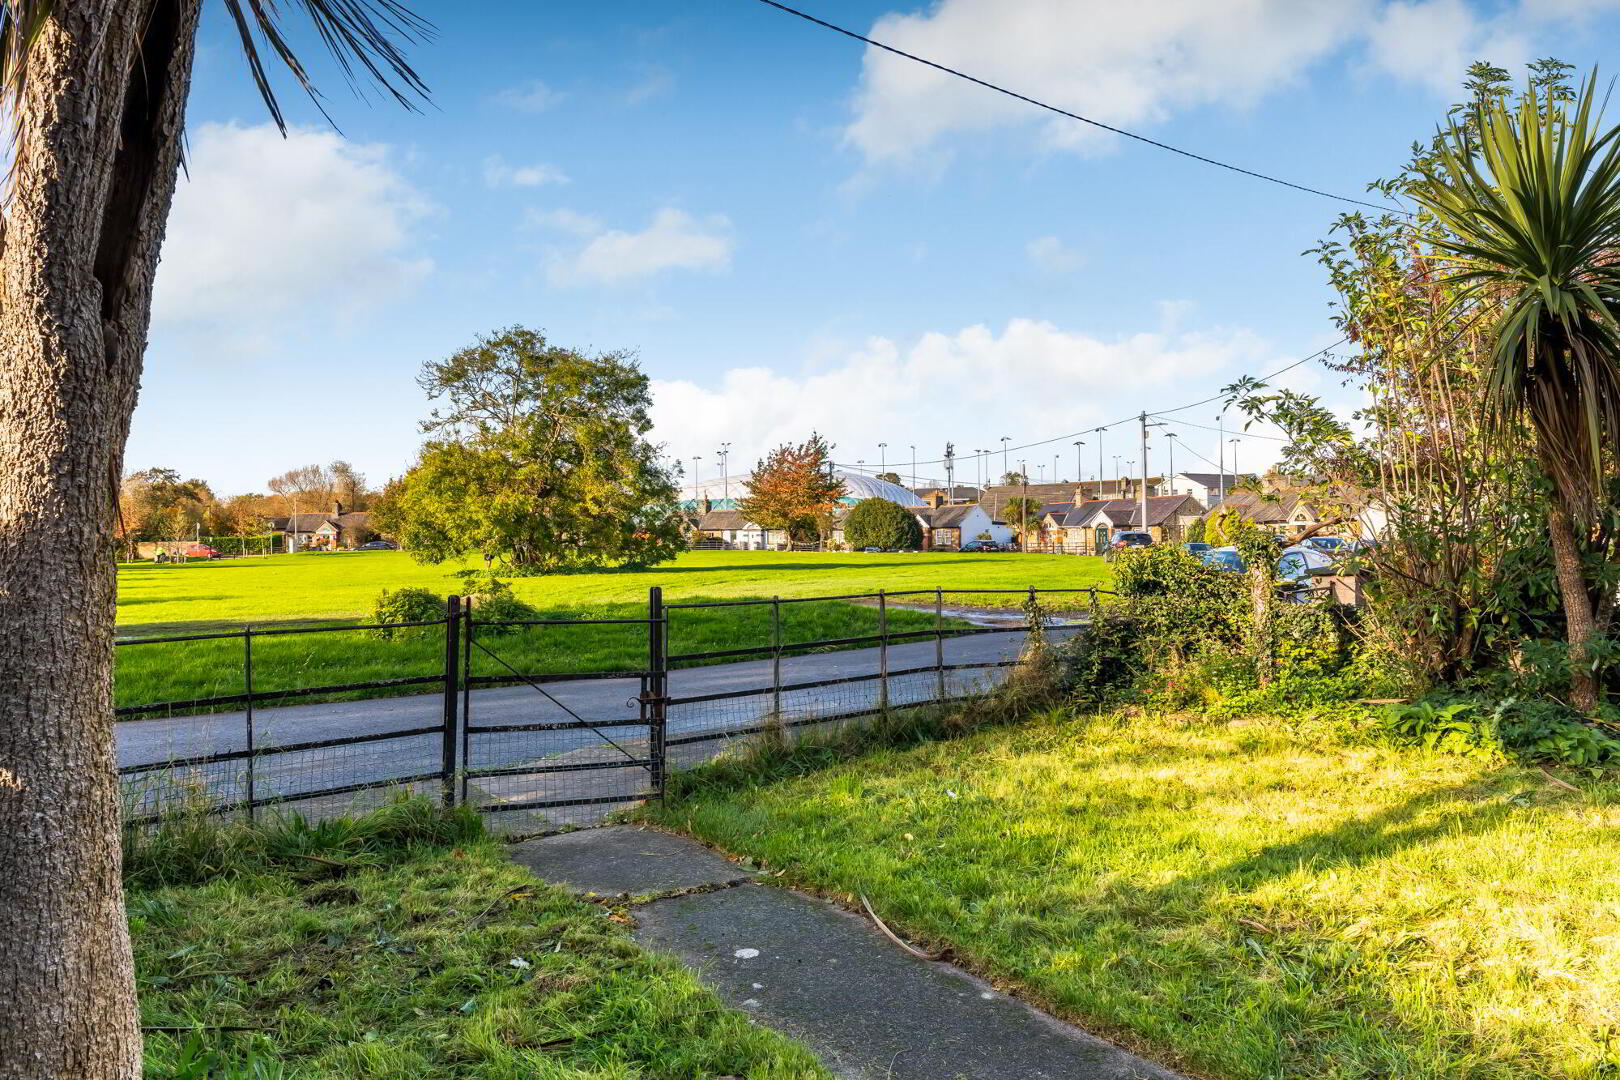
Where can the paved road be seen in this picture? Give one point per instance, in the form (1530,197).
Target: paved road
(609,703)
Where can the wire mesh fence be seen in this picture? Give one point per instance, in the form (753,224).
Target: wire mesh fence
(545,722)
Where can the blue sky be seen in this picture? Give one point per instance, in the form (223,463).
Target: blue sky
(794,234)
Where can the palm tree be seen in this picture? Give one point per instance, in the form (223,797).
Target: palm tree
(1529,197)
(92,95)
(1024,514)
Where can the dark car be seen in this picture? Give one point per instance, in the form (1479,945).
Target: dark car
(1330,545)
(1226,558)
(376,545)
(1125,541)
(981,545)
(1196,547)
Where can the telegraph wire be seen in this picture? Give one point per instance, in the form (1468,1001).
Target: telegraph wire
(807,17)
(1123,420)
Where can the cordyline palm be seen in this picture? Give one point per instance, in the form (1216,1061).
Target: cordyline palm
(92,94)
(1531,202)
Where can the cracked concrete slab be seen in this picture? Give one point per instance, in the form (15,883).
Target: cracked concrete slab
(625,859)
(866,1008)
(802,965)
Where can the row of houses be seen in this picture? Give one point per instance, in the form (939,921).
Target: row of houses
(1077,518)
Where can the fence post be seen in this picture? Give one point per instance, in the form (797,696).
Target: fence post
(452,674)
(247,679)
(657,687)
(883,651)
(939,641)
(776,657)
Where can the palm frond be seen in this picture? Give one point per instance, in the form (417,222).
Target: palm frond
(1529,199)
(365,37)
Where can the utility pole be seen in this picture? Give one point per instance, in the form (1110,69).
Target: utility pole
(695,497)
(1054,468)
(1116,476)
(1142,496)
(1004,470)
(1220,454)
(725,474)
(982,458)
(1234,443)
(1170,448)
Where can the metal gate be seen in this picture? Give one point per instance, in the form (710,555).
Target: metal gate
(559,747)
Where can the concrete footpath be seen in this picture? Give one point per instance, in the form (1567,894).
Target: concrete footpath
(867,1008)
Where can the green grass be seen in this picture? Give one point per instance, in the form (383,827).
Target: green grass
(382,957)
(198,597)
(1232,898)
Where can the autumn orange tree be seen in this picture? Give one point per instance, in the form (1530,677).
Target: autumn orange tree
(794,488)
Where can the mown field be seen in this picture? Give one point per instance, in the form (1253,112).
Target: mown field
(340,588)
(1238,899)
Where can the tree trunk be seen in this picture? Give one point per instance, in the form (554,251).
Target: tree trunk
(1261,599)
(97,151)
(1579,621)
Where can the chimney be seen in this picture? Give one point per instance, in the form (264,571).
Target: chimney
(936,498)
(707,505)
(337,509)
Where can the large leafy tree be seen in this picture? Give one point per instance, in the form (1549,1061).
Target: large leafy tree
(795,489)
(1529,199)
(93,95)
(539,460)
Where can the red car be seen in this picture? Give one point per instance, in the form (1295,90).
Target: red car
(201,551)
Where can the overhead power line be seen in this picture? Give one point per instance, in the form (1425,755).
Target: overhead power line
(1127,419)
(807,17)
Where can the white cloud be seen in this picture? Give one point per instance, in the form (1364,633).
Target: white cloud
(1124,64)
(674,240)
(262,226)
(1434,41)
(532,97)
(656,81)
(1135,65)
(1033,380)
(1052,255)
(499,174)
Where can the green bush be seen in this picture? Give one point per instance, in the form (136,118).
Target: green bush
(1528,728)
(407,605)
(882,524)
(496,603)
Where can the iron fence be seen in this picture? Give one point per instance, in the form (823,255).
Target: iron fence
(482,722)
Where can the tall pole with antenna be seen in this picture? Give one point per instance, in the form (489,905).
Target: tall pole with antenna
(1142,496)
(950,473)
(725,472)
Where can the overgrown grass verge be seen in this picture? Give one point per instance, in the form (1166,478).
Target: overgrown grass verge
(405,944)
(1245,898)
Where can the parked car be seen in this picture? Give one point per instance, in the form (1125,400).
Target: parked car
(1196,547)
(1124,541)
(1297,565)
(981,545)
(1332,545)
(376,545)
(202,551)
(1223,558)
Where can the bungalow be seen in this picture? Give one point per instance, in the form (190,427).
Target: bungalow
(997,495)
(1280,514)
(1206,487)
(325,532)
(947,528)
(1089,527)
(729,529)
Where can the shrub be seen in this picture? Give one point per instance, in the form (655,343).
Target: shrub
(882,524)
(407,605)
(497,603)
(1532,729)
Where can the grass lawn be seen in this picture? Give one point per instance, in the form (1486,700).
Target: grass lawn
(197,597)
(414,960)
(1230,897)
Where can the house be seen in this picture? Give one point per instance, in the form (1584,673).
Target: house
(1206,487)
(947,528)
(332,531)
(996,496)
(942,496)
(729,529)
(1089,527)
(1281,513)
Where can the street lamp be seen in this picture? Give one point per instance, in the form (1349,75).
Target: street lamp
(913,466)
(725,474)
(1004,470)
(1170,448)
(695,459)
(883,457)
(1234,443)
(1079,469)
